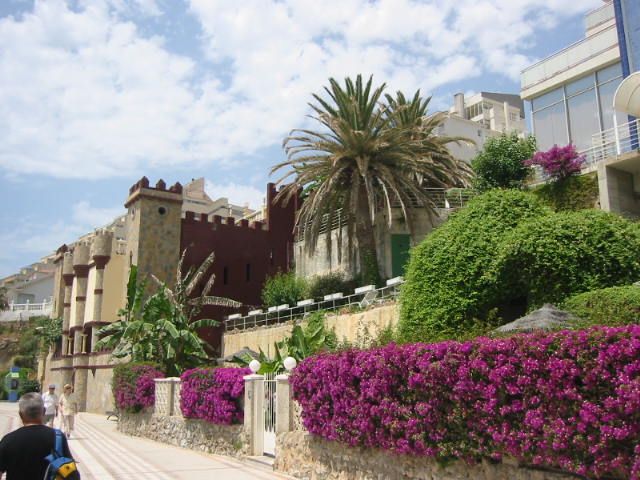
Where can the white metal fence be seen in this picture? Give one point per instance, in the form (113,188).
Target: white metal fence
(17,312)
(361,297)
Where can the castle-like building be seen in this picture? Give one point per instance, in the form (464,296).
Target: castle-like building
(91,274)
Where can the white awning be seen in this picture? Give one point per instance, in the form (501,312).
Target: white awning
(627,97)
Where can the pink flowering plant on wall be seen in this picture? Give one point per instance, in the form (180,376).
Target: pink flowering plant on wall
(558,162)
(213,394)
(567,400)
(134,387)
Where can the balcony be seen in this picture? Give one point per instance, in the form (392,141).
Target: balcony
(23,311)
(580,58)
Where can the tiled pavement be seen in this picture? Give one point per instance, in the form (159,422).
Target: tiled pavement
(104,454)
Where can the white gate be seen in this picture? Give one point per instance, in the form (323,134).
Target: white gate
(269,412)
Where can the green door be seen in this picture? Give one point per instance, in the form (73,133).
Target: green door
(400,245)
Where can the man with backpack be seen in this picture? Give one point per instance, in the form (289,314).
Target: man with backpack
(24,452)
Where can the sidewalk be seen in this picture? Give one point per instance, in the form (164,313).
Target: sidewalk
(103,454)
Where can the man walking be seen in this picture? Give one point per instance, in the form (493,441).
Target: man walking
(50,405)
(23,451)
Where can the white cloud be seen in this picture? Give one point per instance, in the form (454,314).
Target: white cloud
(84,93)
(29,239)
(237,194)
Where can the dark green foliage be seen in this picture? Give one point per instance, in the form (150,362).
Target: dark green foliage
(571,193)
(500,163)
(445,285)
(614,306)
(3,298)
(283,288)
(28,386)
(322,285)
(551,258)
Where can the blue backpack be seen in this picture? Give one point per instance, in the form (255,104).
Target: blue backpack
(60,467)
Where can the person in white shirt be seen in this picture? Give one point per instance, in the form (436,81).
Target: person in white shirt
(69,407)
(50,400)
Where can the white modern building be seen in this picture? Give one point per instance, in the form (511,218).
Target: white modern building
(479,117)
(572,93)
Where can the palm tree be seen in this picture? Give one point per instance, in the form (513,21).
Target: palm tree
(162,328)
(368,154)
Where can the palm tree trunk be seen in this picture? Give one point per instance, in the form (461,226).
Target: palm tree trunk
(367,253)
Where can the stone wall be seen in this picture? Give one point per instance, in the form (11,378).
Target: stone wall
(192,434)
(305,456)
(359,328)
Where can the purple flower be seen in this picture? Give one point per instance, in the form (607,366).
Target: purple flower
(569,400)
(558,162)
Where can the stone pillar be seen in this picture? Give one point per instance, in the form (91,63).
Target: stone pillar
(163,404)
(100,253)
(177,390)
(253,412)
(284,405)
(67,277)
(80,361)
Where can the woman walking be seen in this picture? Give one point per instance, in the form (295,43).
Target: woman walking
(69,408)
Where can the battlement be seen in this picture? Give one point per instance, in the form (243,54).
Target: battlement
(161,186)
(218,221)
(160,191)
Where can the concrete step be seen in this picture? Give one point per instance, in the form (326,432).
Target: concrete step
(262,462)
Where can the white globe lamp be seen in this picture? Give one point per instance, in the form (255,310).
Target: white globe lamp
(290,363)
(254,366)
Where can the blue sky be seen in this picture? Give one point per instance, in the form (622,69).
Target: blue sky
(96,93)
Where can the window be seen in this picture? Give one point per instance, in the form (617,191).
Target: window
(609,73)
(583,118)
(547,99)
(580,85)
(247,272)
(550,126)
(225,276)
(606,93)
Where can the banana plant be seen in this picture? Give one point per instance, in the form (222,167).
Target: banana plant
(162,328)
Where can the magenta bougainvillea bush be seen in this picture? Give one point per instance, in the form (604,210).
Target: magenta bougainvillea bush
(569,400)
(213,394)
(133,386)
(558,162)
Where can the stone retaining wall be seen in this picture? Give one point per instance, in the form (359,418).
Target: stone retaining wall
(308,457)
(192,434)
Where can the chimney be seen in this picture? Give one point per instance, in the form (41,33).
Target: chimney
(458,104)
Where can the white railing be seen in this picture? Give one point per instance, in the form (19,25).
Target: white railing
(606,145)
(30,307)
(362,296)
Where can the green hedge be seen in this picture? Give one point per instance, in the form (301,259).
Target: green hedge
(283,288)
(506,253)
(321,285)
(445,279)
(570,194)
(608,306)
(551,258)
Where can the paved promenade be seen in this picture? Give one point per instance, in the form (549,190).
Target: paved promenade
(103,454)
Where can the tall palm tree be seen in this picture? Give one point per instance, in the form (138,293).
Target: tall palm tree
(368,155)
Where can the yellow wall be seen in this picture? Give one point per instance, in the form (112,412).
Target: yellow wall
(91,285)
(358,328)
(74,289)
(113,298)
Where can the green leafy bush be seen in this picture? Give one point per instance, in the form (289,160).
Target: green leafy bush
(500,164)
(612,306)
(551,258)
(28,386)
(283,288)
(334,282)
(445,285)
(571,193)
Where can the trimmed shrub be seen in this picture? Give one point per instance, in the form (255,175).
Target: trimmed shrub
(283,288)
(334,282)
(500,164)
(551,258)
(568,400)
(133,386)
(445,287)
(213,394)
(608,306)
(571,193)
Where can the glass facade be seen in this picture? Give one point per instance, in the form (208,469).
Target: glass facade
(576,111)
